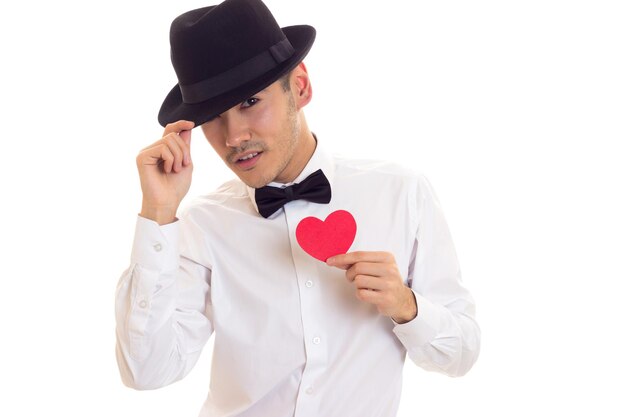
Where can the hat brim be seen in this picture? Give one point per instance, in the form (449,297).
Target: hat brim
(173,108)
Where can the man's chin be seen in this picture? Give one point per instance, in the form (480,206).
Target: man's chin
(254,181)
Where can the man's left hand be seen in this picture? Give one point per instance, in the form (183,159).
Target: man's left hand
(378,281)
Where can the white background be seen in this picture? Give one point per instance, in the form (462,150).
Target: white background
(515,110)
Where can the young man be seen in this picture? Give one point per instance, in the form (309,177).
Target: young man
(295,335)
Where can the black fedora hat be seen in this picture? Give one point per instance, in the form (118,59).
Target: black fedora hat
(224,54)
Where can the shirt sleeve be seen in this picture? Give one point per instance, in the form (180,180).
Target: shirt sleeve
(444,337)
(162,309)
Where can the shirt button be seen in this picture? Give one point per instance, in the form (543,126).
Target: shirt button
(143,303)
(309,390)
(309,284)
(316,340)
(157,247)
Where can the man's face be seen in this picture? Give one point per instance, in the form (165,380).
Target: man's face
(258,138)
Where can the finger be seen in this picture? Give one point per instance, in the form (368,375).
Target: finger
(377,269)
(178,127)
(369,296)
(369,283)
(174,146)
(153,154)
(345,260)
(344,266)
(184,146)
(166,159)
(185,136)
(342,261)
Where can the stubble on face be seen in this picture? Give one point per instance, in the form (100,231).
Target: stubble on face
(288,144)
(274,129)
(283,148)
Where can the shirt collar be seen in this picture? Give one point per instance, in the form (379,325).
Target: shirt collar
(319,160)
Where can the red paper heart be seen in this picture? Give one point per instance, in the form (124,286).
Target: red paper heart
(323,239)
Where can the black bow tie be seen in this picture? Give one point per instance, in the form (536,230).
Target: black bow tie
(315,188)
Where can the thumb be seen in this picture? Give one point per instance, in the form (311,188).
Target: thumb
(184,130)
(185,135)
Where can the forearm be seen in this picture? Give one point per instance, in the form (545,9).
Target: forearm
(444,336)
(444,339)
(161,325)
(146,341)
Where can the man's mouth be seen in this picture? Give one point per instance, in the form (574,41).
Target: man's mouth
(249,160)
(252,155)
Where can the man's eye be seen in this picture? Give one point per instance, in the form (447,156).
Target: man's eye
(250,102)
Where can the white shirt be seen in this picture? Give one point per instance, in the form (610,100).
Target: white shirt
(291,338)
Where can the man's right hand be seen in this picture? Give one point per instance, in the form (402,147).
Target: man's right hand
(165,172)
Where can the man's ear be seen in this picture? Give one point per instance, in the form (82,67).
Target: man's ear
(301,86)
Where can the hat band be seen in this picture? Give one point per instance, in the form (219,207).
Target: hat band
(239,75)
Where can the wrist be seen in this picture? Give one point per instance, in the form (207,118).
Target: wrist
(409,310)
(160,214)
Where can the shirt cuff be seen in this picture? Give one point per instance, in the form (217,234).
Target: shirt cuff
(423,329)
(156,247)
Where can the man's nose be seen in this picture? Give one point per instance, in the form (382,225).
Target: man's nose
(237,130)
